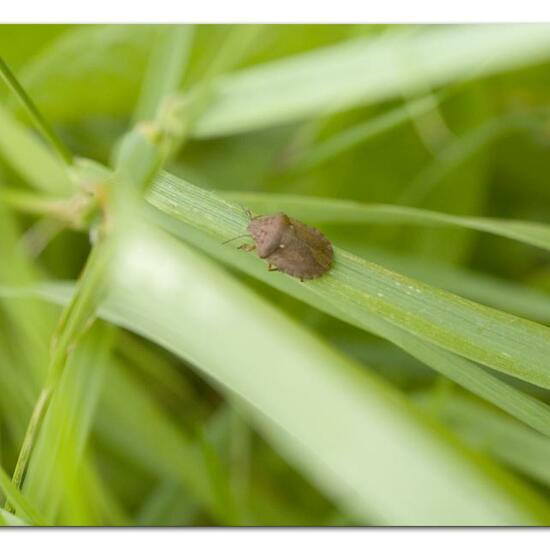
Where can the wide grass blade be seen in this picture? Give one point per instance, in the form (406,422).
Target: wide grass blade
(378,476)
(465,373)
(166,281)
(498,340)
(367,70)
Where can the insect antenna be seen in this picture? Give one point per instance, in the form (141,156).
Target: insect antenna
(235,238)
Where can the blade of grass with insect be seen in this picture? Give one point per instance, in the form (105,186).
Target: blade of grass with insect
(506,343)
(462,371)
(338,211)
(366,448)
(465,373)
(366,71)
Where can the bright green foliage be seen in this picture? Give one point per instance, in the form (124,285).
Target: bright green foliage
(152,375)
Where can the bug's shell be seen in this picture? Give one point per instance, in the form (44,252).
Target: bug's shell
(292,246)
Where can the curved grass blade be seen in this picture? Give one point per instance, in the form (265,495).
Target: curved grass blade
(367,70)
(338,211)
(347,139)
(462,371)
(509,296)
(40,122)
(173,296)
(174,279)
(19,501)
(498,340)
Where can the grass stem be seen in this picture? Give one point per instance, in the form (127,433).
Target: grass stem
(40,122)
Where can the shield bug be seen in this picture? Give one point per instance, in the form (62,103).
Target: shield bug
(290,246)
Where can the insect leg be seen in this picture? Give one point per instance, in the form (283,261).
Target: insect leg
(247,247)
(235,238)
(248,213)
(272,268)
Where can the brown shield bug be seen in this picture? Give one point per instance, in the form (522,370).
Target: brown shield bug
(290,246)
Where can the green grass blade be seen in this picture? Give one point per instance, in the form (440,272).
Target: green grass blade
(36,116)
(155,441)
(462,371)
(8,519)
(494,433)
(113,57)
(53,469)
(531,411)
(166,282)
(338,211)
(498,340)
(492,291)
(249,382)
(19,502)
(30,158)
(465,373)
(75,320)
(354,136)
(367,70)
(167,66)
